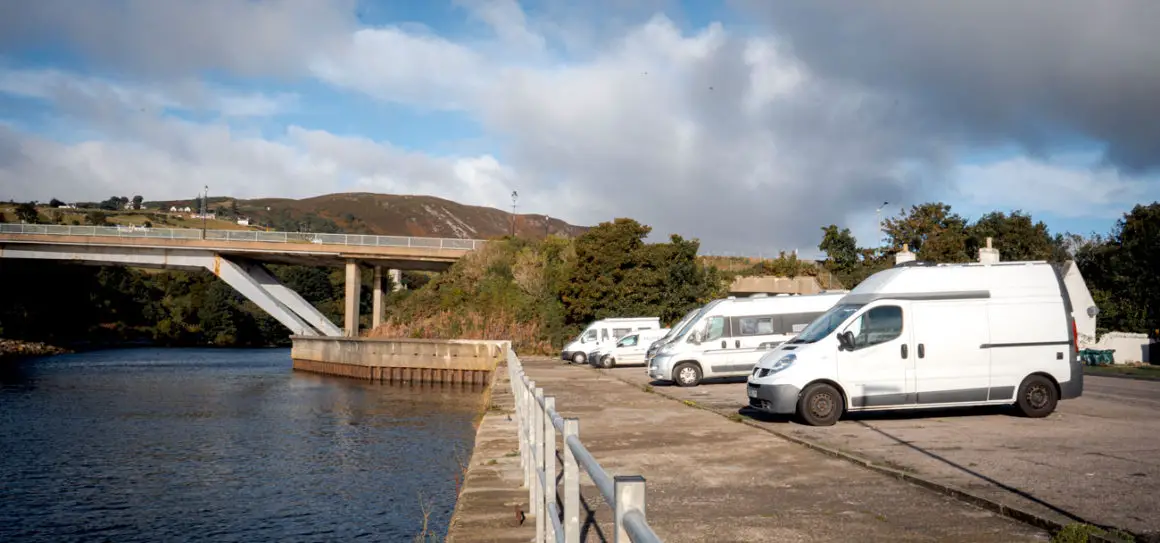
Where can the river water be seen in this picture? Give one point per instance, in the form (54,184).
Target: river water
(222,445)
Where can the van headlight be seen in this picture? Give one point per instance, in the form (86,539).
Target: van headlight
(783,363)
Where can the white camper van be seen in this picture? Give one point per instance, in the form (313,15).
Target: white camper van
(676,330)
(628,350)
(605,332)
(930,336)
(728,336)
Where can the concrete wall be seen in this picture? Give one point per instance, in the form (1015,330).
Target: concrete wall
(453,361)
(1129,347)
(774,285)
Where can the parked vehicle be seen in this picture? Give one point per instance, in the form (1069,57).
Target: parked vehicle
(605,332)
(728,336)
(923,336)
(628,350)
(677,329)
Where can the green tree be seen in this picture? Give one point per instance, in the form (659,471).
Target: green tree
(841,249)
(932,231)
(55,203)
(96,218)
(137,200)
(1120,270)
(1016,237)
(27,213)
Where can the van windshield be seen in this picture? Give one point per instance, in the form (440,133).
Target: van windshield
(689,324)
(676,329)
(823,325)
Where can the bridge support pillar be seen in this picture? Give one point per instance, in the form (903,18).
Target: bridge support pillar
(396,280)
(353,283)
(377,319)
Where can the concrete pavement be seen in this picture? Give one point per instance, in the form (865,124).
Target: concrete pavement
(1096,460)
(712,479)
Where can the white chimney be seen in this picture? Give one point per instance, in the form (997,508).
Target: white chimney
(988,254)
(904,255)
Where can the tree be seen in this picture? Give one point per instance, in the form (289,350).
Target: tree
(137,201)
(1016,237)
(55,203)
(27,213)
(1120,270)
(932,231)
(96,218)
(841,249)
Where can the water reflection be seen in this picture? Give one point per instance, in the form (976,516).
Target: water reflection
(161,444)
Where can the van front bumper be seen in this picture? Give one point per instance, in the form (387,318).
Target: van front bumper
(776,399)
(658,368)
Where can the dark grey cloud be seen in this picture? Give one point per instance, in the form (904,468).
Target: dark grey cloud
(992,72)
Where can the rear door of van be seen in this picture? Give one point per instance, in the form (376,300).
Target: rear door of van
(951,362)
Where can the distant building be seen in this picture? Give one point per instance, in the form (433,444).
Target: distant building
(173,209)
(244,221)
(203,216)
(186,209)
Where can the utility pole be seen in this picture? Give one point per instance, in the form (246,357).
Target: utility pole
(878,224)
(515,196)
(547,226)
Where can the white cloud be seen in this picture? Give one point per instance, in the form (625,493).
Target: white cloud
(1064,191)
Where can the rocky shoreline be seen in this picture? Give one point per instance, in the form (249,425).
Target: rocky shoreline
(12,349)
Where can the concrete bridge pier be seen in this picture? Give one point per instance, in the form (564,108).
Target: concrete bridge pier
(377,306)
(353,284)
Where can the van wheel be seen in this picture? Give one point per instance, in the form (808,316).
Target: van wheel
(607,362)
(820,405)
(687,374)
(1037,397)
(579,358)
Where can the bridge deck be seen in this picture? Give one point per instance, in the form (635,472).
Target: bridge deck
(397,252)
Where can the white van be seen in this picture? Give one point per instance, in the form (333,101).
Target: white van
(605,332)
(628,350)
(728,336)
(676,330)
(918,336)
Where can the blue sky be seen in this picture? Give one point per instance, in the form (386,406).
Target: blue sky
(746,124)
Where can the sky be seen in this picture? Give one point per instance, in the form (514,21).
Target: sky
(746,124)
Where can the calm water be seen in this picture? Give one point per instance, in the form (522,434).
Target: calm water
(190,444)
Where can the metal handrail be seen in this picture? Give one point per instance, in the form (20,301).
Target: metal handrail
(538,423)
(242,235)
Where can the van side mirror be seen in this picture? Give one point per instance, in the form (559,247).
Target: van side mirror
(846,341)
(695,337)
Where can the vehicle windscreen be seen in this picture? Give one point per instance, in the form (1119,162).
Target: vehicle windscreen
(823,325)
(676,329)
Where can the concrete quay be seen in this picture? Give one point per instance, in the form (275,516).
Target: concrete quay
(1094,461)
(710,478)
(399,360)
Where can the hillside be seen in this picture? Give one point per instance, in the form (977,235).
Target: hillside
(385,214)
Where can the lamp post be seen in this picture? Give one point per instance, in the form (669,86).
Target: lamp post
(204,210)
(878,223)
(515,195)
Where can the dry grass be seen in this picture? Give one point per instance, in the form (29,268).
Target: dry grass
(526,337)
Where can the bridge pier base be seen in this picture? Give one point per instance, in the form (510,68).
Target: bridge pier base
(377,318)
(353,284)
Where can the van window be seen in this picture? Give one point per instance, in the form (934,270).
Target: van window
(591,335)
(826,323)
(715,328)
(792,323)
(877,326)
(620,332)
(627,341)
(603,334)
(753,326)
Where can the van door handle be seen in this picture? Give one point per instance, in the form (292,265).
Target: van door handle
(921,350)
(905,351)
(724,345)
(737,343)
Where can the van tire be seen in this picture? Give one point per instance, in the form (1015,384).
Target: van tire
(607,362)
(1037,397)
(820,405)
(579,358)
(687,374)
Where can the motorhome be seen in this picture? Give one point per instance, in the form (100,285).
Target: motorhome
(628,350)
(676,330)
(929,336)
(605,332)
(728,336)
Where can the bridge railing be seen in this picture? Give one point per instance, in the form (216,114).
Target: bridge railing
(242,235)
(538,424)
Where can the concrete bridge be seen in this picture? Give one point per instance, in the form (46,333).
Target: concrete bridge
(237,257)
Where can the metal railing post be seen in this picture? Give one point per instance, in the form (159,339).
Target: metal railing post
(549,463)
(538,456)
(522,405)
(530,466)
(629,491)
(571,485)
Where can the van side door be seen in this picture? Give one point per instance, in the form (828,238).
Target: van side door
(951,363)
(879,370)
(716,351)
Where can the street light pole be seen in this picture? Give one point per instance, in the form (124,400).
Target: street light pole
(204,210)
(878,223)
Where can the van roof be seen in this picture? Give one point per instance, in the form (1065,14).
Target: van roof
(1030,279)
(777,304)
